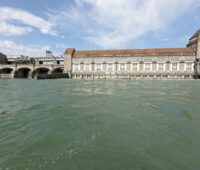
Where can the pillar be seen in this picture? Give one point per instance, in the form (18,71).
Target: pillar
(49,72)
(141,65)
(30,74)
(12,74)
(68,55)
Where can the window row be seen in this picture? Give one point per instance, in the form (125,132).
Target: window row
(134,67)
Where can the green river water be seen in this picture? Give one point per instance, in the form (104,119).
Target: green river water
(99,125)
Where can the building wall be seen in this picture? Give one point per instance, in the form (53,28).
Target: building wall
(146,65)
(3,59)
(68,63)
(198,47)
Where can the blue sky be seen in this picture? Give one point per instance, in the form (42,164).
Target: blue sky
(31,27)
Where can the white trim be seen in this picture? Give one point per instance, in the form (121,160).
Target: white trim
(188,62)
(74,67)
(138,66)
(101,68)
(164,66)
(150,66)
(85,65)
(125,66)
(113,68)
(178,65)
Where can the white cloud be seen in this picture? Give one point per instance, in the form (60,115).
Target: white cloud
(12,48)
(114,23)
(8,29)
(15,21)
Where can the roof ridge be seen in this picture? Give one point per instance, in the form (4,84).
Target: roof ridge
(135,51)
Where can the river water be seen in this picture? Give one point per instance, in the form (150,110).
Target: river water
(99,125)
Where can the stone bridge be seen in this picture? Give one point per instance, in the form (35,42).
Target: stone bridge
(29,70)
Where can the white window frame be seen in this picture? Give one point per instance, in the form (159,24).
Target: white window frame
(113,66)
(62,62)
(101,66)
(124,67)
(177,66)
(150,66)
(85,66)
(192,67)
(48,62)
(77,67)
(164,66)
(138,66)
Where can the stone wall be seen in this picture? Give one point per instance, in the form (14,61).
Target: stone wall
(51,76)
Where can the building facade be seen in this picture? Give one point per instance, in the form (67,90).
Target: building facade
(158,63)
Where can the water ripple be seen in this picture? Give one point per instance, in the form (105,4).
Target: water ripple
(100,124)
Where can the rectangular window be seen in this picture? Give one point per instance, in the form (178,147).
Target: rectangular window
(62,62)
(134,66)
(122,67)
(98,67)
(174,66)
(189,66)
(161,66)
(175,58)
(87,67)
(110,67)
(76,67)
(48,62)
(147,66)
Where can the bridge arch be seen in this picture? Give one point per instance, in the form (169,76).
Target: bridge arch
(23,72)
(6,70)
(25,67)
(43,67)
(42,70)
(58,70)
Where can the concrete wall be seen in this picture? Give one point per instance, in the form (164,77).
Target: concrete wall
(167,66)
(182,66)
(180,72)
(154,66)
(67,63)
(52,76)
(198,48)
(128,65)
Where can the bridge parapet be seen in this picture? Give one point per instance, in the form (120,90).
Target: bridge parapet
(58,66)
(2,66)
(50,67)
(30,66)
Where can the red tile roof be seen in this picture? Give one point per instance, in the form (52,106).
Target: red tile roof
(70,51)
(157,51)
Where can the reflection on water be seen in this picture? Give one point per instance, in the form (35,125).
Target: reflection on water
(106,124)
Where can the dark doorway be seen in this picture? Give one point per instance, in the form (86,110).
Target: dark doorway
(22,73)
(58,71)
(42,71)
(6,71)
